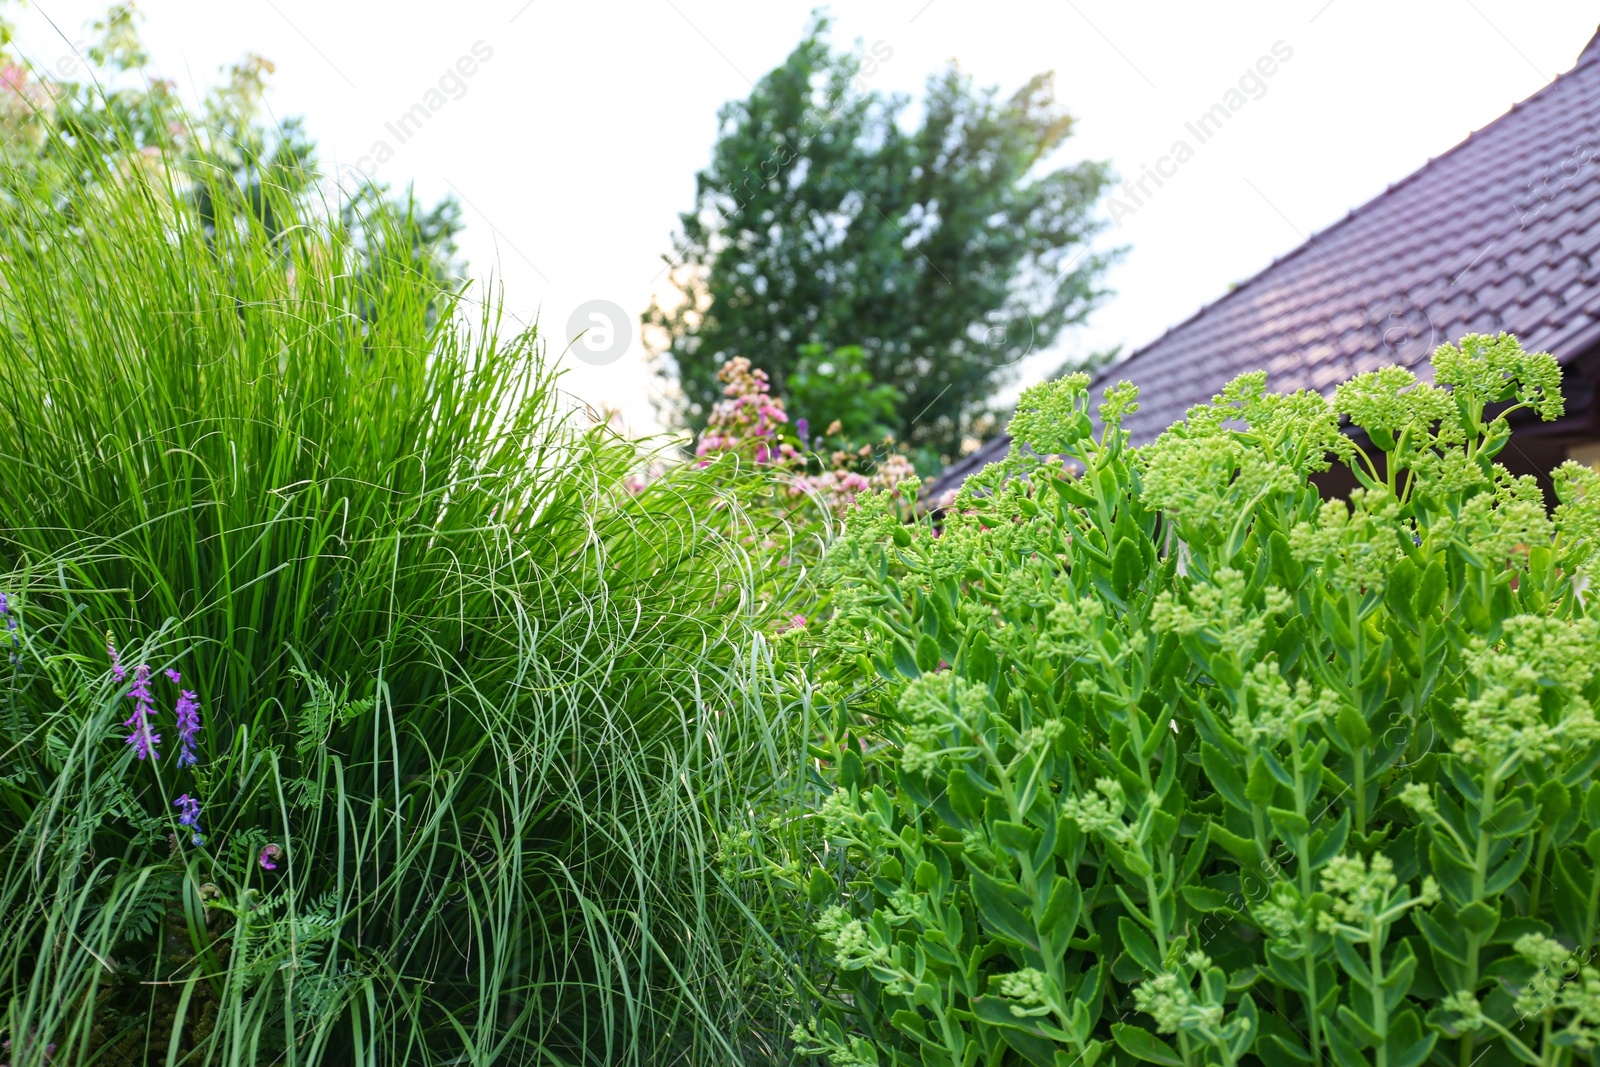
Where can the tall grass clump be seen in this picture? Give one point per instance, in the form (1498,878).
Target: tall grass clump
(467,692)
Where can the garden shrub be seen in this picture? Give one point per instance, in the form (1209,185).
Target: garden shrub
(1158,755)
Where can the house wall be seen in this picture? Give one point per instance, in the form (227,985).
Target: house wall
(1587,453)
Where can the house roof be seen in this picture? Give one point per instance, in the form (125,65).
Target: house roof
(1502,232)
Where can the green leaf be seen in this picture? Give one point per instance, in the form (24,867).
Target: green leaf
(996,1011)
(1070,491)
(1203,898)
(1479,918)
(1409,1044)
(1352,1023)
(1289,823)
(1502,877)
(1062,908)
(1138,945)
(1345,1052)
(982,664)
(1017,839)
(1579,772)
(1285,568)
(1431,590)
(1242,849)
(965,796)
(1326,844)
(1573,874)
(821,889)
(1259,787)
(928,656)
(999,915)
(905,660)
(1454,878)
(1474,607)
(1127,567)
(1352,962)
(1400,591)
(1448,941)
(1554,801)
(1402,969)
(1225,670)
(1275,1051)
(851,772)
(1224,775)
(1352,727)
(1144,1045)
(1286,971)
(1250,1026)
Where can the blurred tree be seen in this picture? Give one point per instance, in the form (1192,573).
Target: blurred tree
(63,132)
(942,251)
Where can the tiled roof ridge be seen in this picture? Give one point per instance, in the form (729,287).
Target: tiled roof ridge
(1592,46)
(1589,56)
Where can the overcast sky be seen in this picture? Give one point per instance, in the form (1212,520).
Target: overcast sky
(574,142)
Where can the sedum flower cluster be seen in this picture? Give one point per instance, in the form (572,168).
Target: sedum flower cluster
(1169,755)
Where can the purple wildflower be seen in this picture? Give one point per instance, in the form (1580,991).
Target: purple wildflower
(116,661)
(11,624)
(172,675)
(190,816)
(802,429)
(268,856)
(49,1050)
(188,711)
(141,737)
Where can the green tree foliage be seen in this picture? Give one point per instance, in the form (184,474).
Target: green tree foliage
(836,385)
(947,252)
(1159,756)
(60,134)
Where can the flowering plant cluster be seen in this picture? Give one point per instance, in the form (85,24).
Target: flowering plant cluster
(1158,755)
(752,423)
(181,883)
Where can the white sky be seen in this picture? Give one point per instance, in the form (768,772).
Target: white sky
(575,144)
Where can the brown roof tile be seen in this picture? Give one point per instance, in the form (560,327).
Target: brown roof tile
(1502,232)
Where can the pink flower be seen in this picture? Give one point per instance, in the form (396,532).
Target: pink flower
(116,661)
(269,857)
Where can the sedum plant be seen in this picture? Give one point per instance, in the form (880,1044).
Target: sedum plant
(1160,755)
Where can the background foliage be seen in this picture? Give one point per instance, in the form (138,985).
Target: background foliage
(58,132)
(944,251)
